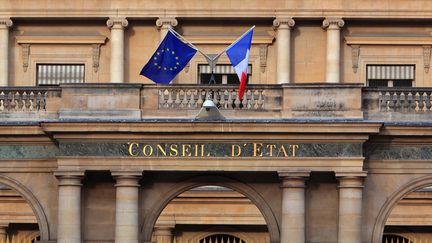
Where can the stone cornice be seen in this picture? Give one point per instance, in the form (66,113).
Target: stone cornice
(333,23)
(117,23)
(214,127)
(148,13)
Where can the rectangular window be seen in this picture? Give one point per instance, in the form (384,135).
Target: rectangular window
(223,74)
(390,75)
(54,74)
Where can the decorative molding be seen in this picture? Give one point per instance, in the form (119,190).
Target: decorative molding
(263,57)
(333,23)
(61,39)
(388,40)
(5,23)
(355,54)
(117,23)
(25,51)
(426,58)
(285,23)
(165,22)
(95,55)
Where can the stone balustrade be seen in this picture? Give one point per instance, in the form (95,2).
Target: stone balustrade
(224,97)
(286,101)
(397,104)
(17,101)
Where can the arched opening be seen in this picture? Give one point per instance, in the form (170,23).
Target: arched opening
(18,222)
(410,220)
(211,213)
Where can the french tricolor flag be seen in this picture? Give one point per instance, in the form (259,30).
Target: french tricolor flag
(238,53)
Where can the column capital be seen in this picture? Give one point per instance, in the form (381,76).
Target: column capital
(117,23)
(69,178)
(333,23)
(293,179)
(283,23)
(164,22)
(5,23)
(127,178)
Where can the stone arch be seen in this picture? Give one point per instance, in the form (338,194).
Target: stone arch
(392,201)
(241,187)
(32,201)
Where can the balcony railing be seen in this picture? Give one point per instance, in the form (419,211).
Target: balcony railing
(291,101)
(225,97)
(27,102)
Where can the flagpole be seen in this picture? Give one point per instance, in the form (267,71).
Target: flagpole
(239,38)
(181,37)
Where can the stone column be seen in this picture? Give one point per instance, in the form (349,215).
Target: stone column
(69,207)
(293,206)
(333,26)
(117,26)
(283,44)
(350,207)
(126,221)
(163,24)
(5,24)
(3,233)
(163,234)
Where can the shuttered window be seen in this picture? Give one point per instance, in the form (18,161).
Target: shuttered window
(54,74)
(223,74)
(390,75)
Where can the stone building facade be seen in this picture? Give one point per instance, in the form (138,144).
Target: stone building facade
(329,144)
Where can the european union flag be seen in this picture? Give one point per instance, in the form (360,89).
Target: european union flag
(170,58)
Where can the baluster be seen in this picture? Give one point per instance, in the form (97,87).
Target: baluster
(421,104)
(237,101)
(161,94)
(400,99)
(183,99)
(245,102)
(261,99)
(23,101)
(428,101)
(410,102)
(392,102)
(200,98)
(253,100)
(177,100)
(230,102)
(222,101)
(32,101)
(170,100)
(387,100)
(191,98)
(194,98)
(11,101)
(2,101)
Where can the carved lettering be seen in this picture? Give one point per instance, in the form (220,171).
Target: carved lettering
(131,149)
